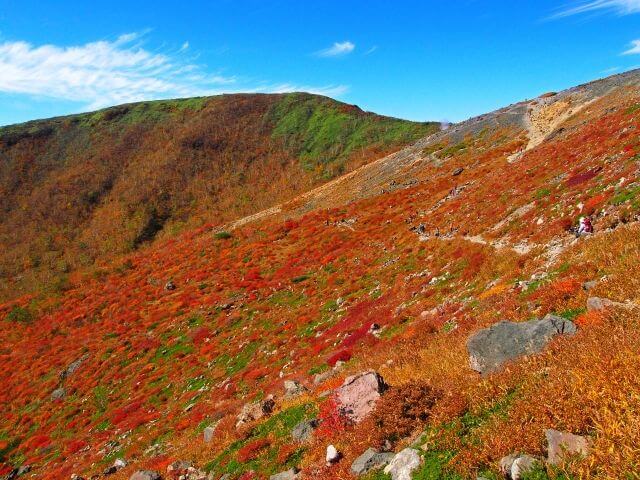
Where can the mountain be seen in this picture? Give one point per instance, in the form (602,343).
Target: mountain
(433,304)
(76,190)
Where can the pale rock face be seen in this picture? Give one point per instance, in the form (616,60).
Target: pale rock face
(358,395)
(403,464)
(514,466)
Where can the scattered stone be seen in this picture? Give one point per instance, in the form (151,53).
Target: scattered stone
(564,444)
(290,474)
(403,464)
(75,476)
(303,431)
(491,347)
(17,472)
(589,285)
(333,456)
(145,475)
(293,388)
(375,330)
(72,367)
(370,460)
(120,463)
(323,376)
(170,286)
(457,171)
(598,304)
(255,411)
(359,393)
(58,394)
(208,433)
(514,466)
(179,467)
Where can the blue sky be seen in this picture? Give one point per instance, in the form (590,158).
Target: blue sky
(422,60)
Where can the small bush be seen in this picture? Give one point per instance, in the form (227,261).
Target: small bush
(223,235)
(401,411)
(19,314)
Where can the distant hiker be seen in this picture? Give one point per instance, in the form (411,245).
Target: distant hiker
(584,227)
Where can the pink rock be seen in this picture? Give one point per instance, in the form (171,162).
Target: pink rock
(358,394)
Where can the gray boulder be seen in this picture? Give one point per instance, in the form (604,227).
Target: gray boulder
(303,431)
(563,445)
(491,347)
(403,464)
(72,367)
(370,460)
(145,475)
(290,474)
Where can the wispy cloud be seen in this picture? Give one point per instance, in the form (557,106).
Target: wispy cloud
(371,50)
(618,7)
(634,50)
(104,73)
(337,49)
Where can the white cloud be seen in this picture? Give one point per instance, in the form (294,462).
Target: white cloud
(618,7)
(103,73)
(328,91)
(337,49)
(634,50)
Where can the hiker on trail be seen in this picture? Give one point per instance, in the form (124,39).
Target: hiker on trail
(584,227)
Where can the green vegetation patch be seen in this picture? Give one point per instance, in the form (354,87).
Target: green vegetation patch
(321,131)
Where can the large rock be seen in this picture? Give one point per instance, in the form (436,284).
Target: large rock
(513,467)
(491,347)
(358,394)
(564,445)
(370,460)
(145,475)
(403,464)
(303,431)
(290,474)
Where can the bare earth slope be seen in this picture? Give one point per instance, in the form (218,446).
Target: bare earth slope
(391,268)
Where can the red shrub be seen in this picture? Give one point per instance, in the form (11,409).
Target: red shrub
(252,450)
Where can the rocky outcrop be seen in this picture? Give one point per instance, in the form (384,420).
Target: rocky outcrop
(370,460)
(564,445)
(491,347)
(403,464)
(358,395)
